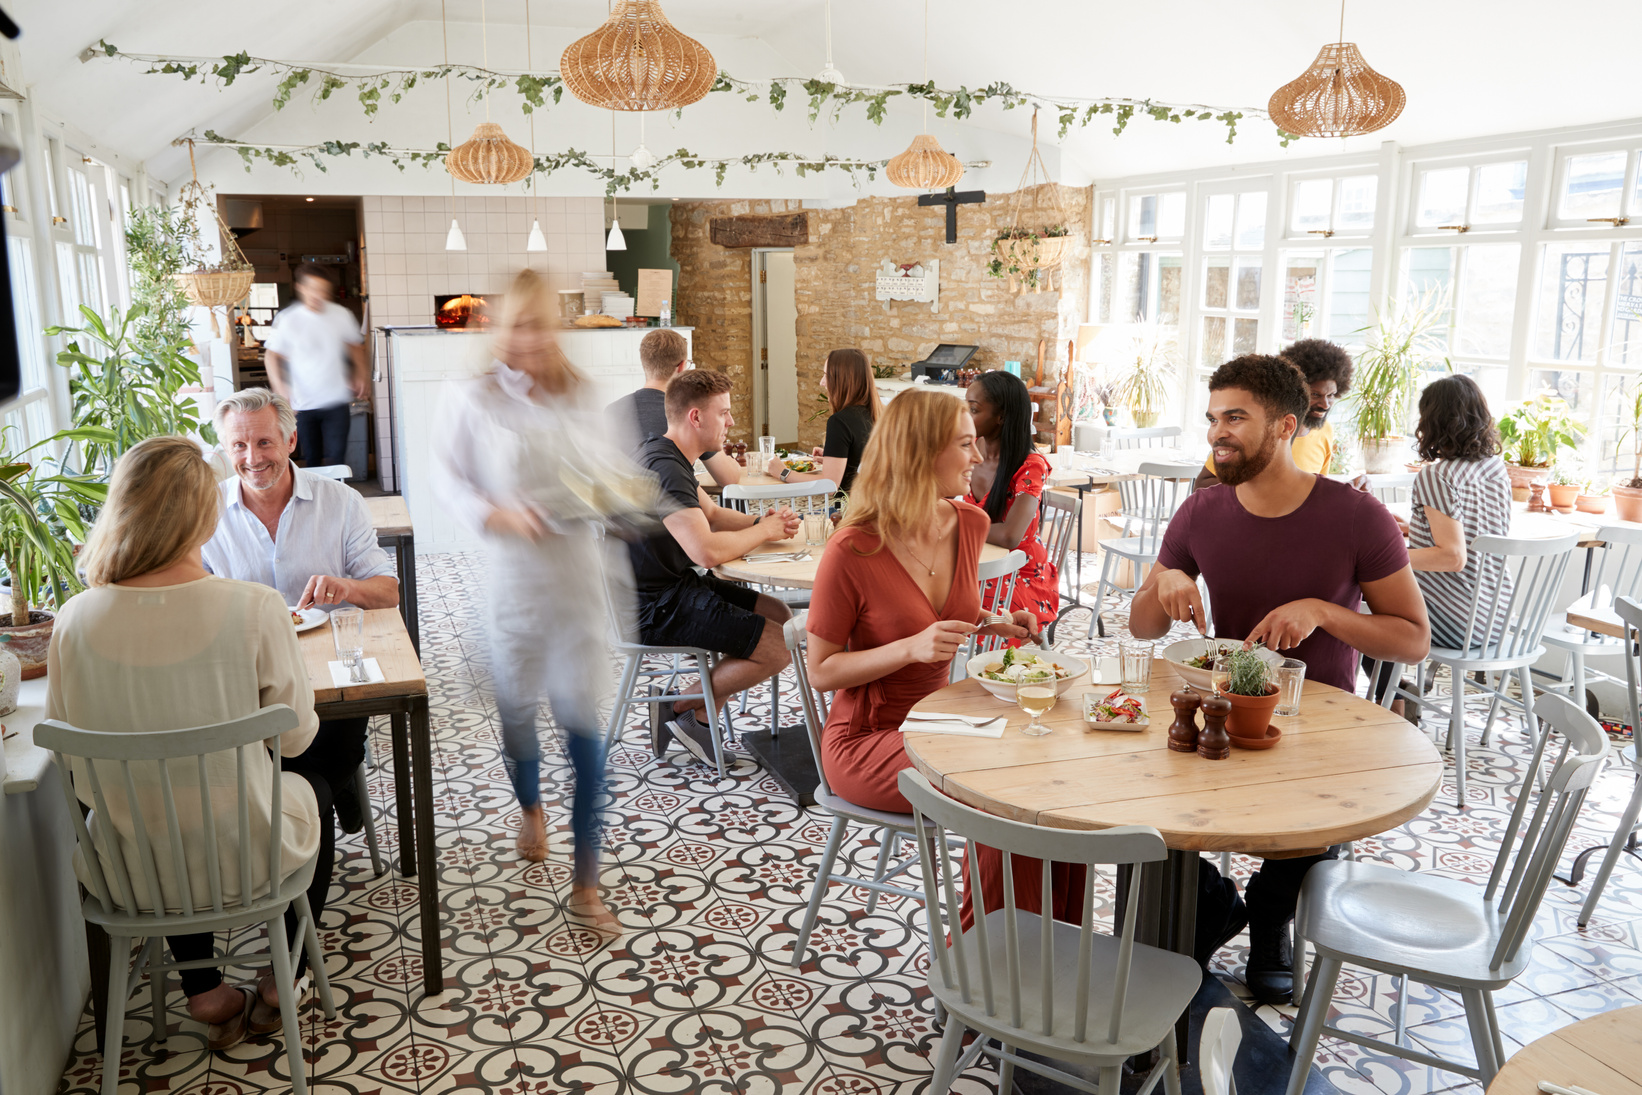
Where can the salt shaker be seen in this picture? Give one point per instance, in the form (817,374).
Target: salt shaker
(1183,732)
(1213,743)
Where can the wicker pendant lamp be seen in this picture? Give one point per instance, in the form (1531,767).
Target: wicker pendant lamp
(488,156)
(638,61)
(1338,96)
(925,165)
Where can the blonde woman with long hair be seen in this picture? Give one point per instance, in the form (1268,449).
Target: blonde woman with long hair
(158,643)
(509,435)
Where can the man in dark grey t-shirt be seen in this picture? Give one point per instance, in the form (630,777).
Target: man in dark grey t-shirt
(643,414)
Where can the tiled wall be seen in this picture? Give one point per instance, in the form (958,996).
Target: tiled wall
(406,264)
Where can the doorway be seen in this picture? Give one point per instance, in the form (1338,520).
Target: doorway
(775,346)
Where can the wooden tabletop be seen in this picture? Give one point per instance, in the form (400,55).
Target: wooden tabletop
(1543,526)
(1602,1054)
(386,640)
(800,575)
(1603,621)
(1344,769)
(389,516)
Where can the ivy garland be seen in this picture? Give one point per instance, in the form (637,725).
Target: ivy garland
(536,90)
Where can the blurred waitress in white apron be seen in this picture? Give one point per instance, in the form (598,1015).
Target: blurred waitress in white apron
(511,440)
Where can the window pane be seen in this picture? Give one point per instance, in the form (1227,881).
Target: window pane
(1108,217)
(26,311)
(1488,293)
(1615,452)
(1500,187)
(1142,216)
(1248,285)
(1591,185)
(1171,216)
(91,282)
(1300,297)
(1251,221)
(1348,294)
(51,177)
(1426,268)
(1217,222)
(1311,205)
(1148,288)
(1245,333)
(1216,282)
(66,287)
(1214,341)
(1625,342)
(1356,208)
(1571,280)
(37,420)
(85,229)
(1576,388)
(1442,196)
(1169,270)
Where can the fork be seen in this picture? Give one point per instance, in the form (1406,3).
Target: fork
(972,720)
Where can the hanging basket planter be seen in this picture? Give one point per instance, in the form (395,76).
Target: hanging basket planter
(221,284)
(215,289)
(1035,244)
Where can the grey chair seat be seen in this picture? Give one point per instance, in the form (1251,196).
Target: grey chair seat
(1441,929)
(843,807)
(1161,984)
(1483,659)
(295,883)
(1132,547)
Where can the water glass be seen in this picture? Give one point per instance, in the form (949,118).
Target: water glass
(816,527)
(1036,696)
(1291,677)
(348,633)
(766,452)
(1137,666)
(1108,448)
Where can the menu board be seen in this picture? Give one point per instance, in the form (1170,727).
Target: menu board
(655,288)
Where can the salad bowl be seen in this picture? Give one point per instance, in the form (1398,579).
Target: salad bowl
(1180,656)
(1068,670)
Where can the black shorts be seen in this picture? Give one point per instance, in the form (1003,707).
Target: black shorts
(704,611)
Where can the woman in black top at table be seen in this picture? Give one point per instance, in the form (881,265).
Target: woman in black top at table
(850,390)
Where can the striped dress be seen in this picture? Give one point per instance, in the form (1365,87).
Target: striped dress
(1477,494)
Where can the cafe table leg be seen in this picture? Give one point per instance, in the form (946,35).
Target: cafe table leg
(407,586)
(433,974)
(402,777)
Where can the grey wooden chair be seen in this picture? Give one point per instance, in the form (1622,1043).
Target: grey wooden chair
(1145,437)
(1217,1051)
(1624,834)
(844,812)
(131,906)
(1149,501)
(1024,981)
(1470,940)
(1535,569)
(1058,517)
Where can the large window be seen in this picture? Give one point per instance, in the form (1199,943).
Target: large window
(1233,266)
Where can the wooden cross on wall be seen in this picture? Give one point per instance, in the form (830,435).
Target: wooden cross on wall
(952,199)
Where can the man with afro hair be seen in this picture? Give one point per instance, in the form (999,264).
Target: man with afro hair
(1327,369)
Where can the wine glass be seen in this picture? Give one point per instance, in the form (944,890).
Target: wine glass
(1035,692)
(1220,673)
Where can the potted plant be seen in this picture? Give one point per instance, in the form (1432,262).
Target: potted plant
(1593,498)
(1403,344)
(42,519)
(1566,483)
(1252,694)
(1147,373)
(1627,495)
(1533,432)
(1028,253)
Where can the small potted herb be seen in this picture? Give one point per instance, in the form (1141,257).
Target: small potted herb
(1252,694)
(1627,493)
(1565,485)
(1593,498)
(1533,432)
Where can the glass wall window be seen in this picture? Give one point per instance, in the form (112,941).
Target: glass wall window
(1326,295)
(1572,280)
(1234,239)
(1154,217)
(1334,206)
(1489,194)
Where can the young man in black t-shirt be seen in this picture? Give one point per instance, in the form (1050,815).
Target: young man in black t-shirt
(677,606)
(642,415)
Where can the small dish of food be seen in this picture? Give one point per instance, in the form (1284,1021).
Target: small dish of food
(999,671)
(1114,710)
(797,461)
(307,619)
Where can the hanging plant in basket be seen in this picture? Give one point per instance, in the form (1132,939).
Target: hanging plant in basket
(1034,245)
(218,284)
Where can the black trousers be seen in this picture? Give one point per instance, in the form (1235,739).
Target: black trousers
(322,435)
(1271,895)
(328,764)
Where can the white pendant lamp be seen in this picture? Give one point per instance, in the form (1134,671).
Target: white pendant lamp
(537,241)
(615,241)
(454,240)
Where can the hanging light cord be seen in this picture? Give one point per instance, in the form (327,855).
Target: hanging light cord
(829,41)
(484,46)
(535,198)
(925,123)
(1342,20)
(450,133)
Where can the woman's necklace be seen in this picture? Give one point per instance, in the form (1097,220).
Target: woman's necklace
(915,558)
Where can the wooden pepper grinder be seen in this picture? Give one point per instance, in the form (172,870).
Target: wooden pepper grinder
(1214,743)
(1183,732)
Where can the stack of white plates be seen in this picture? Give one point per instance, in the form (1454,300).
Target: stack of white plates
(618,304)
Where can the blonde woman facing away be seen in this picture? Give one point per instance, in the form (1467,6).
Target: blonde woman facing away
(157,643)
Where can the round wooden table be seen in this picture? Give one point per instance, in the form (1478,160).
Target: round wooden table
(1602,1054)
(800,575)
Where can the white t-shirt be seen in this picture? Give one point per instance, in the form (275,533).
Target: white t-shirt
(315,348)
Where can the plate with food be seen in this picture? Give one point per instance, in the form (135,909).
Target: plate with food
(1114,710)
(307,619)
(797,461)
(1194,659)
(999,671)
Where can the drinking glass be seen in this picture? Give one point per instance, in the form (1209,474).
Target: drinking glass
(348,633)
(766,453)
(1291,677)
(1036,695)
(1220,675)
(816,527)
(1107,448)
(1137,666)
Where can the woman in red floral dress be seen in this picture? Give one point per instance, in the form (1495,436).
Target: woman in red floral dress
(1009,485)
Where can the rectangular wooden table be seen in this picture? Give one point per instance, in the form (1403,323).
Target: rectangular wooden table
(391,519)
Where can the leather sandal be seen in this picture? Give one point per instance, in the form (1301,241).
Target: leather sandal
(221,1036)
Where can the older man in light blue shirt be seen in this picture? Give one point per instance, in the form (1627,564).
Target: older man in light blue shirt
(310,538)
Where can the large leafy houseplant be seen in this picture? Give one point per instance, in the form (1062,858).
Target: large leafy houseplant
(1403,344)
(42,518)
(1535,430)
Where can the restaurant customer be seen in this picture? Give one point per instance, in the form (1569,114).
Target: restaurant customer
(1009,483)
(157,643)
(305,535)
(853,397)
(1327,368)
(1288,556)
(316,360)
(499,457)
(896,595)
(674,605)
(641,415)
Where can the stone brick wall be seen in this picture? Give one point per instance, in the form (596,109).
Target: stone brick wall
(835,282)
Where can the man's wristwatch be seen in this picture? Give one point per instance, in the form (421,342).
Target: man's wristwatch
(784,473)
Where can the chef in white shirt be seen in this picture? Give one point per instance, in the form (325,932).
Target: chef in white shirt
(316,360)
(309,537)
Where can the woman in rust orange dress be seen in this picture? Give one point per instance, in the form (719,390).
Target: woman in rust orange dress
(896,595)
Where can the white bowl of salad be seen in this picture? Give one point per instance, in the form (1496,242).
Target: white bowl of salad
(999,671)
(1194,659)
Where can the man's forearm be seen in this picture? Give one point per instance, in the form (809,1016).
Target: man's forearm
(379,592)
(1380,636)
(276,374)
(1147,620)
(721,547)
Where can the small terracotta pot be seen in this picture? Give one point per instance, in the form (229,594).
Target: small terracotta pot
(1592,503)
(29,643)
(1383,457)
(1250,715)
(1564,497)
(1627,503)
(1522,478)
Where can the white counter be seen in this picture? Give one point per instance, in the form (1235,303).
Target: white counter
(423,358)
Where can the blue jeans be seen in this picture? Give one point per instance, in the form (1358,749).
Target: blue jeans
(521,755)
(322,435)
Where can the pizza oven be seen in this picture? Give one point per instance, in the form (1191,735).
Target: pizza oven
(460,310)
